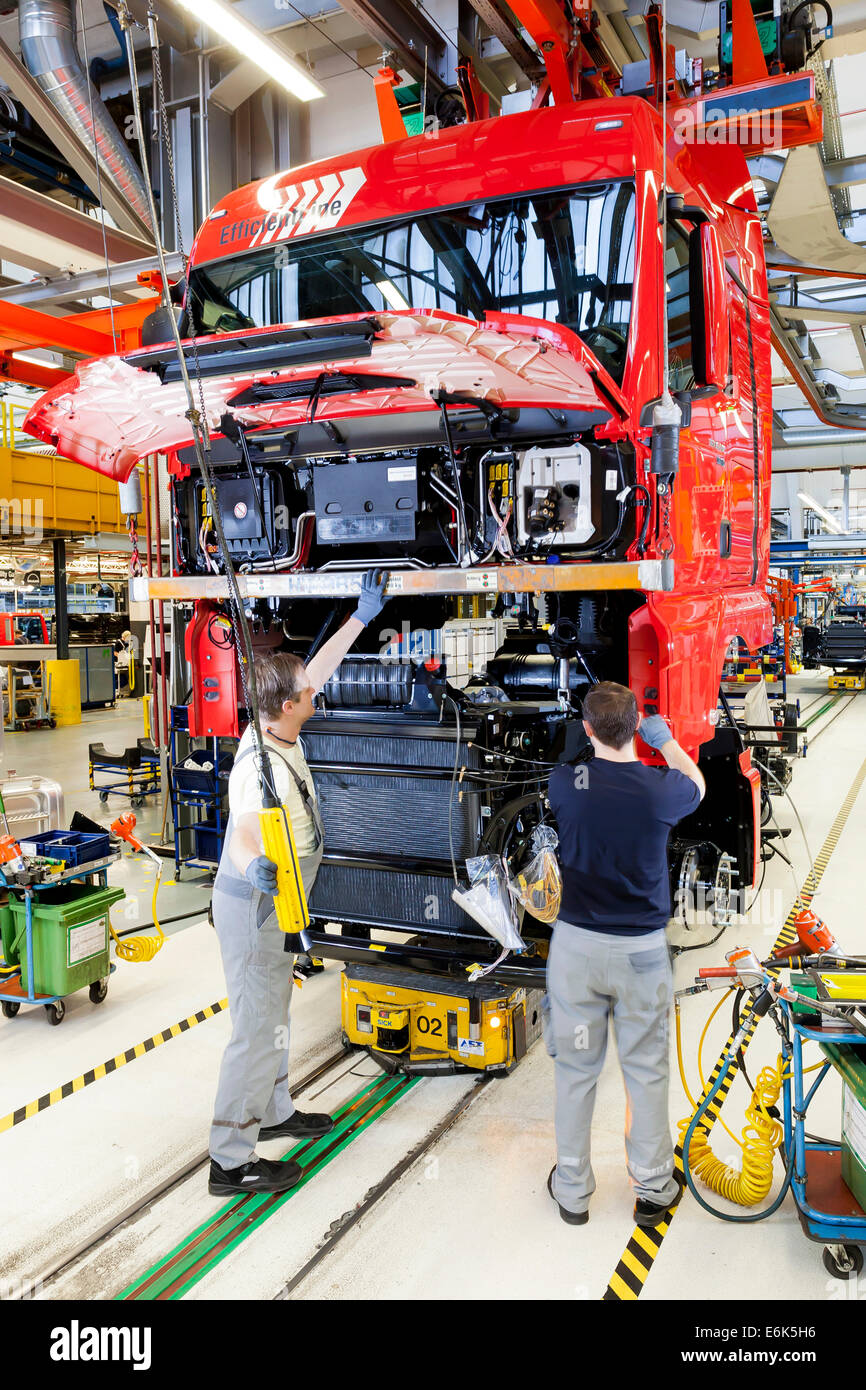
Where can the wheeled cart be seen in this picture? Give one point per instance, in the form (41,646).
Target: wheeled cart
(56,933)
(134,773)
(829,1178)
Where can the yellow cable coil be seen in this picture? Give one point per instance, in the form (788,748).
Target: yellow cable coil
(762,1134)
(278,843)
(138,949)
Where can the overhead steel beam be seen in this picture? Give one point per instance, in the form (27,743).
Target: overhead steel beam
(74,151)
(489,80)
(843,173)
(404,29)
(803,374)
(508,33)
(818,453)
(46,236)
(780,263)
(60,289)
(806,307)
(30,328)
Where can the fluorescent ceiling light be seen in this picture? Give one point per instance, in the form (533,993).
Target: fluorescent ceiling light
(36,361)
(252,44)
(830,522)
(391,294)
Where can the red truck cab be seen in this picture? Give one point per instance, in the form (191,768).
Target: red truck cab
(445,355)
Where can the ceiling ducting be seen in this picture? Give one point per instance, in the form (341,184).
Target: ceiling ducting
(48,50)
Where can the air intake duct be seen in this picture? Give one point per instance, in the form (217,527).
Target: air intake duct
(532,674)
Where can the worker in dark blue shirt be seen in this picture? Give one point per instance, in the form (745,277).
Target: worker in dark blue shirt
(609,956)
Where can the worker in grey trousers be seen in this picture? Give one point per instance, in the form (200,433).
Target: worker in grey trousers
(253,1099)
(609,958)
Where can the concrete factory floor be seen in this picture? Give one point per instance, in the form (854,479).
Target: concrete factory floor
(471,1219)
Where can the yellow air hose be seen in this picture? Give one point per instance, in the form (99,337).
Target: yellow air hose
(762,1134)
(138,949)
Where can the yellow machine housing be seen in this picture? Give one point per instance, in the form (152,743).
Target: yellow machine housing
(841,682)
(417,1022)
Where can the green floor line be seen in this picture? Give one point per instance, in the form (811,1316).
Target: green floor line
(211,1242)
(823,710)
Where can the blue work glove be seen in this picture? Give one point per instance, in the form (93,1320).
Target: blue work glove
(654,731)
(262,874)
(372,596)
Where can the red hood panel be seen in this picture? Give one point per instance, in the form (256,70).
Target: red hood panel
(111,414)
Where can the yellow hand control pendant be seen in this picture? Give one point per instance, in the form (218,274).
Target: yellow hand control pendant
(278,843)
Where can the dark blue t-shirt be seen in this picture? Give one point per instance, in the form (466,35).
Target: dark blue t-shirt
(614,820)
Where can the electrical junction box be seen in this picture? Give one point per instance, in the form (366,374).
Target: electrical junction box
(558,483)
(367,500)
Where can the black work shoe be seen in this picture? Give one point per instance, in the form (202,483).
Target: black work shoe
(298,1126)
(574,1218)
(650,1214)
(259,1175)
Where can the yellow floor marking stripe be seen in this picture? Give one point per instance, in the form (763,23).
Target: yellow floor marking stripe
(638,1270)
(131,1054)
(617,1288)
(622,1291)
(645,1242)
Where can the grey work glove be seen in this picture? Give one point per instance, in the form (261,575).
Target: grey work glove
(655,731)
(262,874)
(372,596)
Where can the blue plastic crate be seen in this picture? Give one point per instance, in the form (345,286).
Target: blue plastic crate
(73,847)
(196,778)
(208,842)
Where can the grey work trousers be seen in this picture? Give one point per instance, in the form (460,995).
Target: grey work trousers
(253,1087)
(592,977)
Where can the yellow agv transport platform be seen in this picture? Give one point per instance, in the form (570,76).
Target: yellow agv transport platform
(418,1022)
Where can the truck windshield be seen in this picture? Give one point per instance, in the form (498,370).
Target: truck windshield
(566,256)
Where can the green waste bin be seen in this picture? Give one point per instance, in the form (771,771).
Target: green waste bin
(8,932)
(70,937)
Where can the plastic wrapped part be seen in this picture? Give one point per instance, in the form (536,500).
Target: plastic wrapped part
(129,493)
(488,900)
(538,886)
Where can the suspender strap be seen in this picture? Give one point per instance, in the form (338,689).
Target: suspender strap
(310,806)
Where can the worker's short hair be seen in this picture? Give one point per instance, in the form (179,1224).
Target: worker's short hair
(611,711)
(280,676)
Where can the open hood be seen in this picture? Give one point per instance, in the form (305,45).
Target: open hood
(115,411)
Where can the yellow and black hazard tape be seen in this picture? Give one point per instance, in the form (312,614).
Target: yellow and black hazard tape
(636,1261)
(69,1088)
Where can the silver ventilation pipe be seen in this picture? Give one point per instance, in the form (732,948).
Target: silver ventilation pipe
(47,33)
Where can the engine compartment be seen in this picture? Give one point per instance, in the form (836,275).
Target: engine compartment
(480,487)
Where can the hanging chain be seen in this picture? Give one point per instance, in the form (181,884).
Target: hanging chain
(666,540)
(135,568)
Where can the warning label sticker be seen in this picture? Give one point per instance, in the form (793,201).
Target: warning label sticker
(86,941)
(854,1125)
(481,579)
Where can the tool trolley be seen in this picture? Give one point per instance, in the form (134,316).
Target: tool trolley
(829,1179)
(134,773)
(55,936)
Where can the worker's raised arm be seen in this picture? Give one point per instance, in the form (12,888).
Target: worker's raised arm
(654,731)
(370,600)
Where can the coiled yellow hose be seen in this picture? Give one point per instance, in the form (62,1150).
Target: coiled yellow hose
(762,1134)
(138,949)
